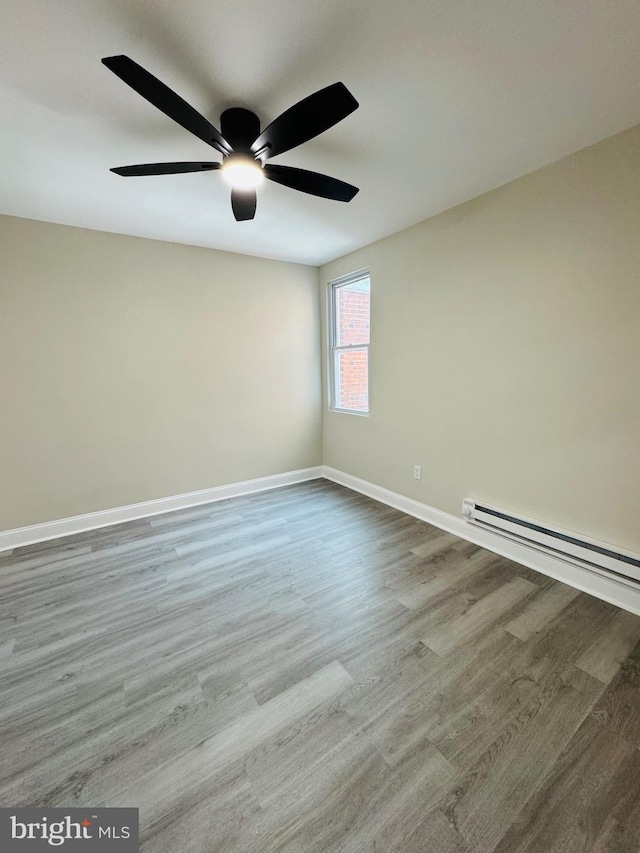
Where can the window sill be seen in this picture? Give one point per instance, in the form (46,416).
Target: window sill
(350,412)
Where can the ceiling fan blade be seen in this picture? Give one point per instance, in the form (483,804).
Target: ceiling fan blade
(243,203)
(310,182)
(163,169)
(306,119)
(166,100)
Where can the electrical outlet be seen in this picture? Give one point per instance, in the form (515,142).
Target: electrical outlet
(417,472)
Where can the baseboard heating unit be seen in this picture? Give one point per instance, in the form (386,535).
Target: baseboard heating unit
(586,553)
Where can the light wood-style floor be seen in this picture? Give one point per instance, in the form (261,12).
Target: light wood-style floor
(308,671)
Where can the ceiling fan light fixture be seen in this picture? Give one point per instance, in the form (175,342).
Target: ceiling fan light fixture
(243,146)
(242,172)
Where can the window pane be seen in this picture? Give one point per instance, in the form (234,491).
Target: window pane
(352,379)
(352,313)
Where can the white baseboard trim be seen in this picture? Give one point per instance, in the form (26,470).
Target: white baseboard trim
(615,592)
(20,536)
(608,589)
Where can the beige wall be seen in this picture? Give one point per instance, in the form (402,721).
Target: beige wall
(132,369)
(505,353)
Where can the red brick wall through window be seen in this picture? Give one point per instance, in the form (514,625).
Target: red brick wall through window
(353,328)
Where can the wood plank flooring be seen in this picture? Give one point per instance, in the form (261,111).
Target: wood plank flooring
(309,671)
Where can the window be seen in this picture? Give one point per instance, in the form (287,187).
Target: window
(349,343)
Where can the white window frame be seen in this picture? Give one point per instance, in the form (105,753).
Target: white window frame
(333,348)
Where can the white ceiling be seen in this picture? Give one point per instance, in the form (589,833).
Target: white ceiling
(456,97)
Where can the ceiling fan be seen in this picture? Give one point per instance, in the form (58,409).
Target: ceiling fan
(243,146)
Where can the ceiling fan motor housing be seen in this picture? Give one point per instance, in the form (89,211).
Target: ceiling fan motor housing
(240,128)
